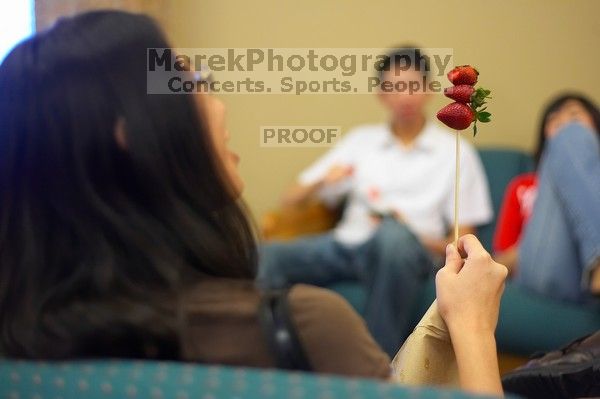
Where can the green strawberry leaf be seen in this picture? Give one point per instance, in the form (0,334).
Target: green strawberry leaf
(478,97)
(478,100)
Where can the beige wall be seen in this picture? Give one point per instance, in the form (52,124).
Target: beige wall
(47,11)
(525,50)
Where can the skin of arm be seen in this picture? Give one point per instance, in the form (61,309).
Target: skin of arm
(299,194)
(469,288)
(595,280)
(477,362)
(509,258)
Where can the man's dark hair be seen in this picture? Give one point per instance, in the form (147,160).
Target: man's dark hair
(99,245)
(400,56)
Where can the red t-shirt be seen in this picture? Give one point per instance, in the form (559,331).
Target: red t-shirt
(515,211)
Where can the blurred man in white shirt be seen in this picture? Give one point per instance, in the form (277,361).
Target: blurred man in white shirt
(397,179)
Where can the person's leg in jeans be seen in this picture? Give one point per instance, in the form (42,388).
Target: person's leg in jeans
(392,266)
(561,242)
(395,269)
(318,260)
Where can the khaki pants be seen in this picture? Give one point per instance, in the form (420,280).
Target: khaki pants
(427,356)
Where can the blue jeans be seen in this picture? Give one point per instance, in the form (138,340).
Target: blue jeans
(561,242)
(392,266)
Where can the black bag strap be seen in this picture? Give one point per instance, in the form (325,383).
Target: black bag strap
(280,332)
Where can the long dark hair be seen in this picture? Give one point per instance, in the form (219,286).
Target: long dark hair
(554,106)
(98,244)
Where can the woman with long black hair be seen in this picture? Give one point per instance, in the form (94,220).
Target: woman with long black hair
(122,233)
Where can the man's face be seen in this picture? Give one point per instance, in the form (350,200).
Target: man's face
(404,108)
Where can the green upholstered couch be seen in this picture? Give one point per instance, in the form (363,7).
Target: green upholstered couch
(118,379)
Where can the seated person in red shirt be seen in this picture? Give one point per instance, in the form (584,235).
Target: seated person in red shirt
(516,208)
(522,191)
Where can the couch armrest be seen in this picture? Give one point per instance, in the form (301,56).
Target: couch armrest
(289,222)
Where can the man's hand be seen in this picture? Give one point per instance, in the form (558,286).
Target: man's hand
(337,173)
(299,194)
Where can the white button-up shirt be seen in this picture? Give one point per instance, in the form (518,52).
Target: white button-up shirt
(417,182)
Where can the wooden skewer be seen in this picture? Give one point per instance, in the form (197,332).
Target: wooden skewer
(456,188)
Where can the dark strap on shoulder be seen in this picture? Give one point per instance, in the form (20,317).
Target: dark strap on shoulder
(280,332)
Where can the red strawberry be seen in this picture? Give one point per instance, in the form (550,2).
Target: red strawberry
(460,93)
(456,116)
(463,75)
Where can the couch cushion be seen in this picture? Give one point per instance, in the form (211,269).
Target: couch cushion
(500,165)
(165,380)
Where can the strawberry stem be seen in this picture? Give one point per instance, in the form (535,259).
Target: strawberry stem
(477,106)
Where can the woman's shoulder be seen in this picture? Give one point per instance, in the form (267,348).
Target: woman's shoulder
(309,297)
(334,336)
(323,310)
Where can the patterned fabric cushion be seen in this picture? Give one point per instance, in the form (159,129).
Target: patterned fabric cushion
(164,380)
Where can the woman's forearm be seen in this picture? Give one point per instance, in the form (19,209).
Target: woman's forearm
(477,362)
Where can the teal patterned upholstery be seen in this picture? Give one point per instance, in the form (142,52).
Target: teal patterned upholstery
(166,380)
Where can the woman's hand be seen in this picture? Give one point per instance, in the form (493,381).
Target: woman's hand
(469,290)
(468,294)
